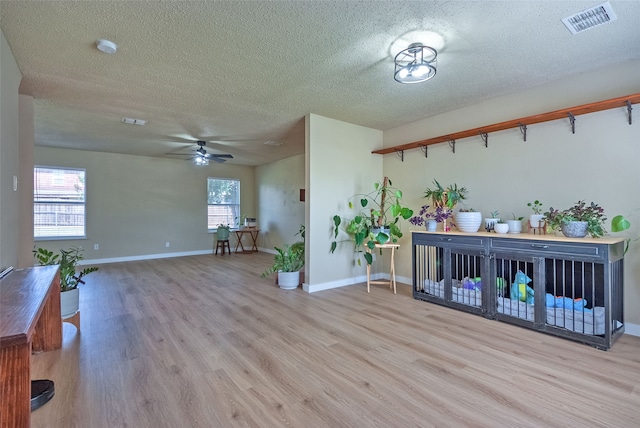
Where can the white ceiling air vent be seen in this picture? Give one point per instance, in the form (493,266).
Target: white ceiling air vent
(131,121)
(590,18)
(273,143)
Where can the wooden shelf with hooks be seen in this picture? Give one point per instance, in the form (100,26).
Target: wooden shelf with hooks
(566,113)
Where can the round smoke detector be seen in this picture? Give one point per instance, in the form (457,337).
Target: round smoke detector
(106,46)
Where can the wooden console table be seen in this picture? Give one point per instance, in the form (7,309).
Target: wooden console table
(30,315)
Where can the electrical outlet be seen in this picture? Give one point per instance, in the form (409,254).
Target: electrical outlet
(167,244)
(96,246)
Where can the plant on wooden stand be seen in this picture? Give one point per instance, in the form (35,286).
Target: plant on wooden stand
(70,276)
(536,219)
(376,221)
(445,198)
(68,260)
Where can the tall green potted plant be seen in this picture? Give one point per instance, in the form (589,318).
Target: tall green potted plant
(376,220)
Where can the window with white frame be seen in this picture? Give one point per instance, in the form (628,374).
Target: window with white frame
(58,203)
(223,202)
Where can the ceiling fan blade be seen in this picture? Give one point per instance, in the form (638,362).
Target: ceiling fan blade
(217,159)
(226,156)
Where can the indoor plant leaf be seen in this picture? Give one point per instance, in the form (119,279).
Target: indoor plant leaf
(619,223)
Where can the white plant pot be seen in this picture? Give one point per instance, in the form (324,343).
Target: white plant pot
(289,280)
(515,226)
(69,303)
(489,223)
(501,228)
(468,222)
(535,220)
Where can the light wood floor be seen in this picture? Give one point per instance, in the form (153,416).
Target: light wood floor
(205,342)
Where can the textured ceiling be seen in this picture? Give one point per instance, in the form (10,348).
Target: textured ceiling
(239,73)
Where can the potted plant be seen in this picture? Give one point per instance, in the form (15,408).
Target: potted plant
(445,198)
(468,220)
(222,232)
(490,222)
(70,276)
(430,218)
(535,219)
(288,262)
(376,220)
(577,221)
(501,227)
(515,225)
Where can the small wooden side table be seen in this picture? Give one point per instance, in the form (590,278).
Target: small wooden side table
(392,272)
(253,233)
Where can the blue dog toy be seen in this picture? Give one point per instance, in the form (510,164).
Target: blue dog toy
(520,290)
(566,303)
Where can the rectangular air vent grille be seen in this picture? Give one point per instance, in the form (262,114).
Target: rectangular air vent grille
(131,121)
(590,18)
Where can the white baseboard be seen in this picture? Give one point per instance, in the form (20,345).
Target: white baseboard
(343,282)
(631,329)
(144,257)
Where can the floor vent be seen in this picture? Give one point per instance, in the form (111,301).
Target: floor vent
(590,18)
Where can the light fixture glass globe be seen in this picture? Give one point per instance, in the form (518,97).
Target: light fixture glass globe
(420,71)
(403,73)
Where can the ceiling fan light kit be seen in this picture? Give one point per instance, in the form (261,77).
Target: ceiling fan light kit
(200,161)
(415,64)
(202,158)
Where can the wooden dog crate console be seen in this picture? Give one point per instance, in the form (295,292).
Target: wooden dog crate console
(567,287)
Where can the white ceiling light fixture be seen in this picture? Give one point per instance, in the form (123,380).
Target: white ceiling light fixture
(590,18)
(106,46)
(415,64)
(200,160)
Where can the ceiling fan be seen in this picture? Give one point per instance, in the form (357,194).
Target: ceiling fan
(201,156)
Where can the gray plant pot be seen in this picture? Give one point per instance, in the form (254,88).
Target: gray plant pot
(574,229)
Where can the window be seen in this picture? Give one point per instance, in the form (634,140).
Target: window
(58,203)
(223,202)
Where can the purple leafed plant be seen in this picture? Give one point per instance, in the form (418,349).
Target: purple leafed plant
(440,214)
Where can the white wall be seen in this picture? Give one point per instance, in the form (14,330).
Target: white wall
(280,211)
(598,163)
(9,155)
(25,179)
(339,164)
(135,204)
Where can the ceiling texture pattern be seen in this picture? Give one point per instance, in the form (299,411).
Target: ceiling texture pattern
(240,73)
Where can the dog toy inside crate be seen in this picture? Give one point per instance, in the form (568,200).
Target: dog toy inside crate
(566,303)
(520,289)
